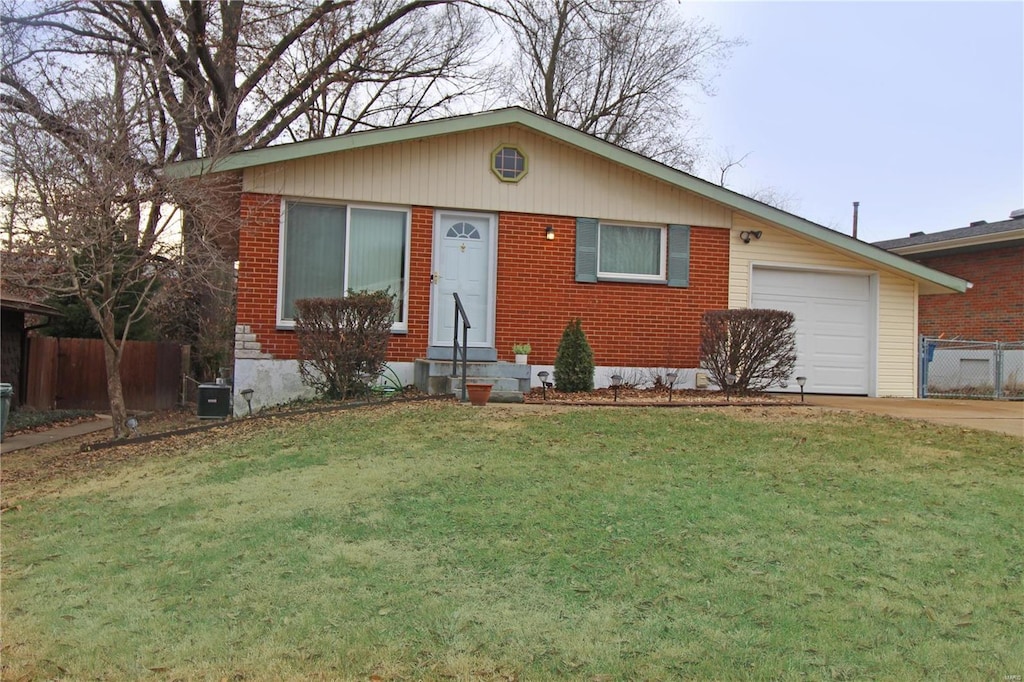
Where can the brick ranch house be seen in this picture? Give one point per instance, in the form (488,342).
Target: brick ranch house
(534,223)
(991,257)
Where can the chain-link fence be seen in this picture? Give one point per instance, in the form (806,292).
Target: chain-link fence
(952,368)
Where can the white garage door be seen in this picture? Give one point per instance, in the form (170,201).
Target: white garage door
(834,325)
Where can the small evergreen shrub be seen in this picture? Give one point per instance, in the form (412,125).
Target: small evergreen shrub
(574,360)
(343,339)
(758,347)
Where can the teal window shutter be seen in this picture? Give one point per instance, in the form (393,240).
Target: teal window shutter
(679,255)
(586,250)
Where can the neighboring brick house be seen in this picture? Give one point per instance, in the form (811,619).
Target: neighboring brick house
(533,224)
(991,257)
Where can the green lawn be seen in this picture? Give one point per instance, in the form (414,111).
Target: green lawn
(434,541)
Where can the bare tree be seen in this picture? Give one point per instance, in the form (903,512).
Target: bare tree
(725,161)
(92,218)
(235,75)
(100,95)
(618,69)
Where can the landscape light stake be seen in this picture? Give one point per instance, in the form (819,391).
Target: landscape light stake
(543,376)
(616,382)
(730,381)
(247,394)
(671,377)
(801,381)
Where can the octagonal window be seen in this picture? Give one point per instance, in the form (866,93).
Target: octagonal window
(508,163)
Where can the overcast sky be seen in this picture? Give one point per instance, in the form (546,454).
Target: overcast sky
(914,109)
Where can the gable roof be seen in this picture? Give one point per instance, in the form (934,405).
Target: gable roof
(976,236)
(934,280)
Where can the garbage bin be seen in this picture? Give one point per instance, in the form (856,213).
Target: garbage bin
(6,393)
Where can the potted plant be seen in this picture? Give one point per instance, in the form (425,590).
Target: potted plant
(521,351)
(479,394)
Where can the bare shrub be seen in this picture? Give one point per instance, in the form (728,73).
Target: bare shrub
(758,347)
(343,341)
(656,376)
(632,377)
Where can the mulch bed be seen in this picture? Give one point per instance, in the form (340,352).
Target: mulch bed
(654,397)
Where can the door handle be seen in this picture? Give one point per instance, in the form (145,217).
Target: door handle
(435,277)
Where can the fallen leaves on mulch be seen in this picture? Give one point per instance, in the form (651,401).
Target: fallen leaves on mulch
(636,397)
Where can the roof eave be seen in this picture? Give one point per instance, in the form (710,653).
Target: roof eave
(576,138)
(991,239)
(23,306)
(342,143)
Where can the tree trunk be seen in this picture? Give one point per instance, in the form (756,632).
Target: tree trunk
(118,412)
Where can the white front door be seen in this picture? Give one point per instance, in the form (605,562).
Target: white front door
(464,257)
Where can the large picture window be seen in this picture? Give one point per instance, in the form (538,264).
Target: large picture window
(327,250)
(631,252)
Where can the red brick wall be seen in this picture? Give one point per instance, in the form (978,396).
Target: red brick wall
(645,325)
(992,310)
(257,272)
(257,280)
(628,325)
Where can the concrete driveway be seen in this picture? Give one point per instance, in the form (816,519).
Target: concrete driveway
(1001,416)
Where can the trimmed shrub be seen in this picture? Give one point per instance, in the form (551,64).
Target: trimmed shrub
(574,360)
(758,347)
(341,340)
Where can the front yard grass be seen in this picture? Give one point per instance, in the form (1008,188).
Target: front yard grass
(434,541)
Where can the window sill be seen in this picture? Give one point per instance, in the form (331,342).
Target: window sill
(287,326)
(631,280)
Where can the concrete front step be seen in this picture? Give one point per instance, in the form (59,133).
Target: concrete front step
(510,380)
(504,384)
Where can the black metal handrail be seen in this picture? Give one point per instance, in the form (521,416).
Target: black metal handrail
(464,349)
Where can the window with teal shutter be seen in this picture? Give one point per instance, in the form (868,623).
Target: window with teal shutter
(679,255)
(586,250)
(632,253)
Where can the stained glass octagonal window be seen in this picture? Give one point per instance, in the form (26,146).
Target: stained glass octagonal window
(508,163)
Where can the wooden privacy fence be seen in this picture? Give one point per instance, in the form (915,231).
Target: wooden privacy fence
(71,374)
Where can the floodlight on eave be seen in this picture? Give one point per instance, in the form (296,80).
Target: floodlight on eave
(932,281)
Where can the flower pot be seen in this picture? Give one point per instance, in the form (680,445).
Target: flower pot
(521,358)
(479,394)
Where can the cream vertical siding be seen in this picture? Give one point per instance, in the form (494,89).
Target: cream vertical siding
(897,342)
(453,171)
(896,345)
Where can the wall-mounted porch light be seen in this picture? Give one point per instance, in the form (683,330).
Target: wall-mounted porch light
(549,233)
(747,235)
